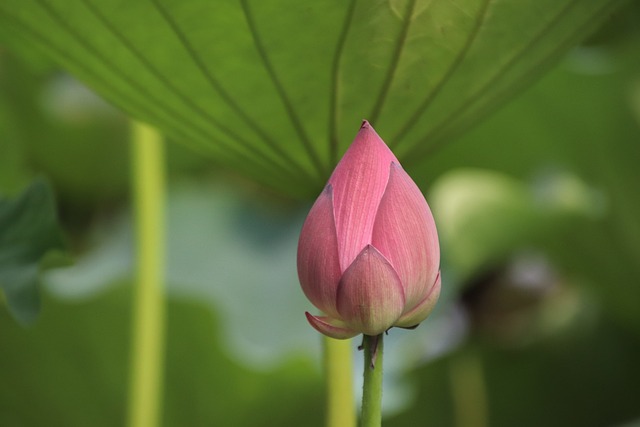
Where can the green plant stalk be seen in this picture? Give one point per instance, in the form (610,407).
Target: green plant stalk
(372,387)
(338,366)
(148,327)
(469,391)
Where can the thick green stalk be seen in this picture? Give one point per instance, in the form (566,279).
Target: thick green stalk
(469,391)
(372,388)
(341,409)
(148,327)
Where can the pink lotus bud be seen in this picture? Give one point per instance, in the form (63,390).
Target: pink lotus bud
(368,255)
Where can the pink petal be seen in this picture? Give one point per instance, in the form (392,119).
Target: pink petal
(405,233)
(358,183)
(328,327)
(318,265)
(421,311)
(370,295)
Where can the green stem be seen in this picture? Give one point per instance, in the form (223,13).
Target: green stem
(372,388)
(470,401)
(339,376)
(148,325)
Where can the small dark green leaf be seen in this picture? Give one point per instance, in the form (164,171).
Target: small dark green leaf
(28,231)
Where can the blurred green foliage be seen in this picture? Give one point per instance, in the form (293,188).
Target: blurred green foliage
(70,369)
(538,210)
(28,232)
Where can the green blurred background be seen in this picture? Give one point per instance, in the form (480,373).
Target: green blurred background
(539,217)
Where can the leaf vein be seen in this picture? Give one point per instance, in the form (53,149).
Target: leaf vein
(198,110)
(459,59)
(395,61)
(436,134)
(217,86)
(284,98)
(335,84)
(172,114)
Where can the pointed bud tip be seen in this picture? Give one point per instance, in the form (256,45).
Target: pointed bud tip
(368,134)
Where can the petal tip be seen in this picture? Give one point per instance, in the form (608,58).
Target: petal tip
(370,295)
(325,327)
(423,309)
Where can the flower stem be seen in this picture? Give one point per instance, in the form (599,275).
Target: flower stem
(470,400)
(338,367)
(372,388)
(148,325)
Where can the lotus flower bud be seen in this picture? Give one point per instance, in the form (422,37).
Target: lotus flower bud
(368,254)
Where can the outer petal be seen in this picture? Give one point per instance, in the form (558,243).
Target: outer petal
(330,327)
(318,265)
(370,295)
(359,181)
(421,311)
(405,233)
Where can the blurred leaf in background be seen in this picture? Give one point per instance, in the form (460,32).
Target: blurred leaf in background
(29,231)
(71,369)
(51,122)
(273,89)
